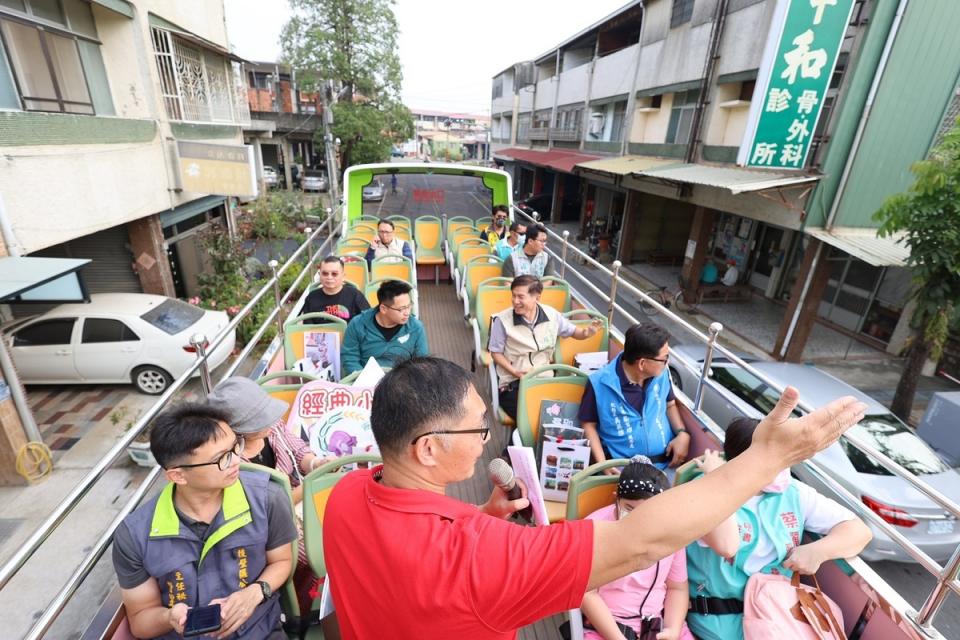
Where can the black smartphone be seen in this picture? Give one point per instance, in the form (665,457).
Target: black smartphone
(202,620)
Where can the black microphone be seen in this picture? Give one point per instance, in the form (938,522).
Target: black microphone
(501,474)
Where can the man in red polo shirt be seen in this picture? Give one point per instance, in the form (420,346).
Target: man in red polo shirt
(406,561)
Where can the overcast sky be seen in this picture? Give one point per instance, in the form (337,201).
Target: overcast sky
(450,49)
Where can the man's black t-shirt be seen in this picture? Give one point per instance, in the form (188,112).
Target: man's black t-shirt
(387,333)
(347,304)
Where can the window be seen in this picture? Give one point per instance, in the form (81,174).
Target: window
(891,437)
(748,388)
(682,12)
(173,316)
(497,87)
(106,330)
(198,85)
(746,90)
(48,68)
(619,114)
(681,116)
(45,333)
(656,101)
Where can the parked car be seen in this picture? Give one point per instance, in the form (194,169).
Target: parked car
(396,152)
(313,180)
(373,191)
(270,177)
(116,338)
(731,391)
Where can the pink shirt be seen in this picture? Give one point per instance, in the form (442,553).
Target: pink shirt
(624,595)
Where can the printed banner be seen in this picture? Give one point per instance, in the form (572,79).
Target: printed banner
(333,418)
(321,358)
(794,76)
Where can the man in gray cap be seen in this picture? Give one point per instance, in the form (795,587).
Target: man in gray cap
(261,420)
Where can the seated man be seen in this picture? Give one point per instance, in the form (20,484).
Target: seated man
(388,333)
(496,231)
(628,407)
(523,337)
(238,522)
(335,296)
(387,244)
(514,239)
(531,259)
(732,274)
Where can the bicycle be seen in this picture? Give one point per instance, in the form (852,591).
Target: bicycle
(662,295)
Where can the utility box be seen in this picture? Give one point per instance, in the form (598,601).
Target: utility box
(940,427)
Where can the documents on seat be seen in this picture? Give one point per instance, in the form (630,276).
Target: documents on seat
(525,468)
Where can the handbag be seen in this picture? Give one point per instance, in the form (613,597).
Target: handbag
(775,608)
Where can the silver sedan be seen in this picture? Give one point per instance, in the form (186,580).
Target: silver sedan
(731,391)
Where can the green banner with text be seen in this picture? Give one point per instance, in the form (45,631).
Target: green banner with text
(794,80)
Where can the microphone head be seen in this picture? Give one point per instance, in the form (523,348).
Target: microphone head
(501,473)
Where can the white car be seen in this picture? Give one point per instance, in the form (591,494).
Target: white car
(313,180)
(270,177)
(115,338)
(373,191)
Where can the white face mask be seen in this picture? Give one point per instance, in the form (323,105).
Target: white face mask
(622,513)
(779,484)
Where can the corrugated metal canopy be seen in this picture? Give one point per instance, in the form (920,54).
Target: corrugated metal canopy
(18,275)
(557,159)
(865,245)
(733,180)
(625,165)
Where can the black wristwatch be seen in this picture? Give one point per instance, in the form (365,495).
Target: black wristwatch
(265,589)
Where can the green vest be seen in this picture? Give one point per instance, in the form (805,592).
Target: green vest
(779,516)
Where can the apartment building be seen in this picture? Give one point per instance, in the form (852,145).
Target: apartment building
(283,120)
(648,128)
(451,135)
(120,128)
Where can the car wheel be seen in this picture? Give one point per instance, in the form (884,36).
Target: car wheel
(151,380)
(675,379)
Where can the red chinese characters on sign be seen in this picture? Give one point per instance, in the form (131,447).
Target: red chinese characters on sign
(428,196)
(316,403)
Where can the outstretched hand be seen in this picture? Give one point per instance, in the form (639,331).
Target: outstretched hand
(792,439)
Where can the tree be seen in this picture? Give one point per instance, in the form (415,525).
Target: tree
(354,44)
(928,217)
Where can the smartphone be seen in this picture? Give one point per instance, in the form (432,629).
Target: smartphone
(201,620)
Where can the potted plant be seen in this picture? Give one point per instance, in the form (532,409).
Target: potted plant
(139,449)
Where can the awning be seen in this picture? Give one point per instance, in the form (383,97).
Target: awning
(733,180)
(189,209)
(625,165)
(120,6)
(180,32)
(563,161)
(865,245)
(29,279)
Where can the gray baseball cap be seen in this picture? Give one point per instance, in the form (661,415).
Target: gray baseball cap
(249,408)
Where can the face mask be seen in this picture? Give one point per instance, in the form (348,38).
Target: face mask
(779,484)
(498,222)
(622,513)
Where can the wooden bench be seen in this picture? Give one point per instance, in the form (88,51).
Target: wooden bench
(720,292)
(662,257)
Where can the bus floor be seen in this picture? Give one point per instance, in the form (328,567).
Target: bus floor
(451,338)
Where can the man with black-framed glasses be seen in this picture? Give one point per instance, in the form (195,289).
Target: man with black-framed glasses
(405,560)
(390,333)
(628,407)
(214,534)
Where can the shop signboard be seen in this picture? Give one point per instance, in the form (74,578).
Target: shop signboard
(798,62)
(219,169)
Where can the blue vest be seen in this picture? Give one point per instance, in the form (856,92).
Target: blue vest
(779,516)
(623,431)
(193,572)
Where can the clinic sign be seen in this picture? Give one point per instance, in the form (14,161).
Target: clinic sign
(225,170)
(793,79)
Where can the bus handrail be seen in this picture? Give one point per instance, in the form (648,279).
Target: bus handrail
(66,506)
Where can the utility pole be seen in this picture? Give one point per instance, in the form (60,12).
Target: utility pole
(333,169)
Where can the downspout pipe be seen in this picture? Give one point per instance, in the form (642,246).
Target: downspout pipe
(9,237)
(867,108)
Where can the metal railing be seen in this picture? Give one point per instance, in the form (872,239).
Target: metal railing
(203,349)
(946,576)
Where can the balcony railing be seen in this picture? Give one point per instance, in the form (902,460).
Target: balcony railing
(571,134)
(539,133)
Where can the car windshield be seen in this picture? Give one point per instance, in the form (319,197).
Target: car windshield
(892,438)
(173,316)
(312,173)
(748,388)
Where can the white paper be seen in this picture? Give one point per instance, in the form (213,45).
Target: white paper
(591,361)
(525,468)
(691,249)
(371,374)
(326,599)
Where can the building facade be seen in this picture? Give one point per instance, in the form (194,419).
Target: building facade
(639,128)
(97,102)
(449,136)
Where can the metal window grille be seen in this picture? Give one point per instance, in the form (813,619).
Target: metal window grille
(681,13)
(198,85)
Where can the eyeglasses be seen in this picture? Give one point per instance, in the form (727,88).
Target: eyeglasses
(660,360)
(330,274)
(405,307)
(484,432)
(223,462)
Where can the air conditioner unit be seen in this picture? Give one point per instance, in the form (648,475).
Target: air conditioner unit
(597,119)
